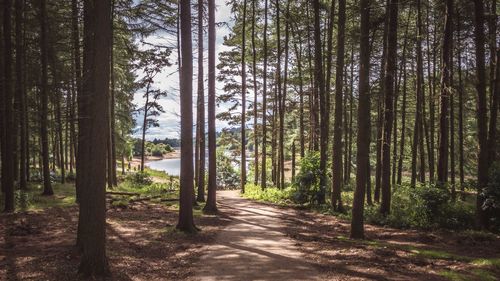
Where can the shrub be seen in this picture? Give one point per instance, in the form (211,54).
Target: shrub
(491,195)
(270,194)
(140,178)
(307,182)
(424,207)
(227,177)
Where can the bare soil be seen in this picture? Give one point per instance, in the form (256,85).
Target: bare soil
(142,244)
(247,240)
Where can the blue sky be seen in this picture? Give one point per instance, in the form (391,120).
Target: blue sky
(168,80)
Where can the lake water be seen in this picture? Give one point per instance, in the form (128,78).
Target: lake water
(170,166)
(173,166)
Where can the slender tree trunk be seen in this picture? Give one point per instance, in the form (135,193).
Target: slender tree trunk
(445,96)
(77,76)
(91,174)
(363,139)
(186,223)
(351,118)
(283,98)
(7,103)
(417,136)
(380,108)
(298,54)
(112,178)
(243,162)
(403,124)
(21,94)
(276,147)
(432,96)
(44,96)
(264,105)
(144,127)
(201,111)
(482,117)
(337,127)
(255,95)
(460,115)
(390,72)
(211,205)
(320,88)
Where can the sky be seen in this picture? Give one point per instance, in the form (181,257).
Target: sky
(168,80)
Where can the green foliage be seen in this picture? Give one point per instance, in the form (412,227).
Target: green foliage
(424,207)
(270,194)
(307,182)
(227,176)
(140,179)
(32,200)
(491,195)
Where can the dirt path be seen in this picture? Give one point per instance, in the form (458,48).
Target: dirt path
(253,247)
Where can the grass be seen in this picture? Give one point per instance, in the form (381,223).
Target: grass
(32,199)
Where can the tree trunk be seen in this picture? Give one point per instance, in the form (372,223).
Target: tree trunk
(44,100)
(380,108)
(7,103)
(186,223)
(363,139)
(21,94)
(201,111)
(337,127)
(264,105)
(482,118)
(283,99)
(112,179)
(243,162)
(320,88)
(460,115)
(390,72)
(255,95)
(93,108)
(211,205)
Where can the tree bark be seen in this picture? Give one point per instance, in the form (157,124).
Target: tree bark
(186,222)
(243,162)
(337,127)
(211,205)
(445,96)
(482,118)
(363,140)
(44,100)
(7,139)
(200,111)
(93,108)
(320,88)
(390,72)
(264,105)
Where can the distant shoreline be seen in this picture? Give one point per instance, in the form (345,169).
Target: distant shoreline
(136,160)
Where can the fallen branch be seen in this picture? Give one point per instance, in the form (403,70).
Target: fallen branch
(122,193)
(169,199)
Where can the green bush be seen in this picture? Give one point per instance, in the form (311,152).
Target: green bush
(227,176)
(491,195)
(270,194)
(140,179)
(307,182)
(424,207)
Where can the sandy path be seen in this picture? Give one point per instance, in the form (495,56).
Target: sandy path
(253,246)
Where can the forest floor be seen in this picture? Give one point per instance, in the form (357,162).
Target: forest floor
(268,242)
(247,240)
(142,243)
